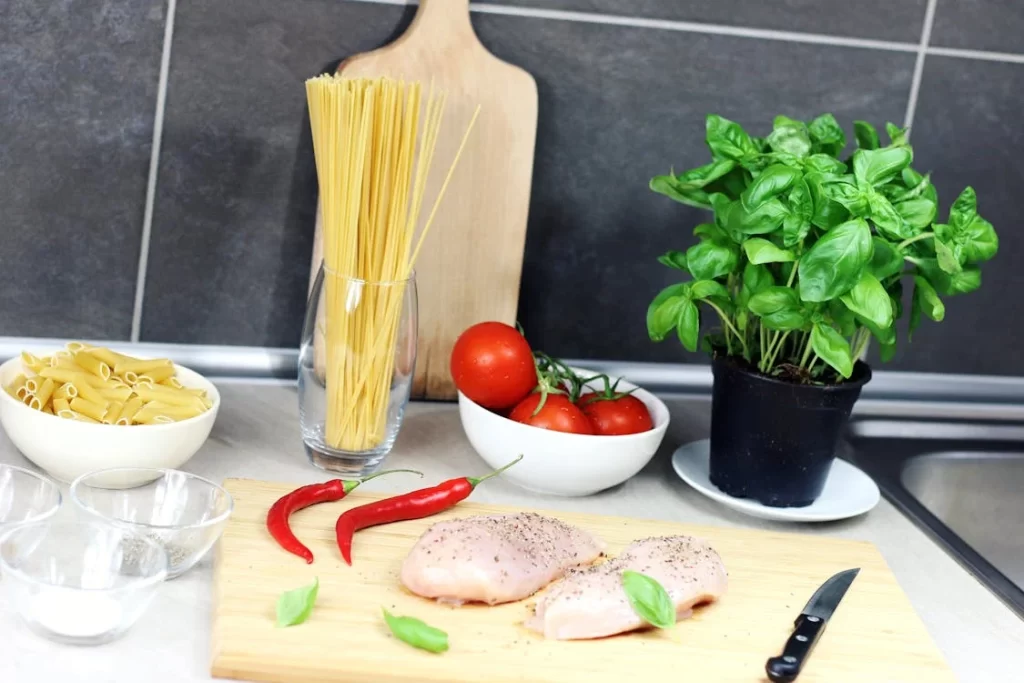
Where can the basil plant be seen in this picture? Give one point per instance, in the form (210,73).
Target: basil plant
(808,252)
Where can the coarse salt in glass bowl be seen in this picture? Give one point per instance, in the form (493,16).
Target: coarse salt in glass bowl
(183,512)
(80,583)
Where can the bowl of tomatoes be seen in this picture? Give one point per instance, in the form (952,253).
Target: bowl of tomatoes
(579,433)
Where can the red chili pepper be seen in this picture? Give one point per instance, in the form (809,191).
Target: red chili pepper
(413,505)
(303,497)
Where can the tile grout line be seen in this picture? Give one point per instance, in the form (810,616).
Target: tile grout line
(154,167)
(1004,57)
(735,31)
(674,25)
(922,52)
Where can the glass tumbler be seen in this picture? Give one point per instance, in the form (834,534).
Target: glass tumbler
(356,365)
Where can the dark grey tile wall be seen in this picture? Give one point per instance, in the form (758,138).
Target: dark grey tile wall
(236,206)
(979,25)
(874,19)
(78,84)
(235,202)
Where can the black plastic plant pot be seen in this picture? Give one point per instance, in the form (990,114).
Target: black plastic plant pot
(775,441)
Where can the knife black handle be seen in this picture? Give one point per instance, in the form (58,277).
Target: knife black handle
(786,667)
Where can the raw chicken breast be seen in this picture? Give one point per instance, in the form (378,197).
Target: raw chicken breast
(591,603)
(495,558)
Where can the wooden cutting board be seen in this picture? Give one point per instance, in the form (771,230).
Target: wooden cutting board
(471,264)
(874,636)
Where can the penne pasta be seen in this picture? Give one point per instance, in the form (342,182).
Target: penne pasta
(45,392)
(131,407)
(87,391)
(88,408)
(157,375)
(65,390)
(93,364)
(141,366)
(120,395)
(111,358)
(112,413)
(99,385)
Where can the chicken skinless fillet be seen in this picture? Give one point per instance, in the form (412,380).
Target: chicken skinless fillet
(591,602)
(495,558)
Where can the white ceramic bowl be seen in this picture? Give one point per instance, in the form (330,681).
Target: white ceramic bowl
(559,463)
(67,449)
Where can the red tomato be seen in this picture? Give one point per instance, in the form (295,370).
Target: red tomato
(558,414)
(585,396)
(492,364)
(623,415)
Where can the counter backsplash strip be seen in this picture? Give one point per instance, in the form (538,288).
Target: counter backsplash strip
(197,110)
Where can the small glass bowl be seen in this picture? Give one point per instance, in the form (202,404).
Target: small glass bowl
(26,497)
(80,583)
(184,513)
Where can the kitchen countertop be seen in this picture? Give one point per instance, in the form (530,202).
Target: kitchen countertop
(257,436)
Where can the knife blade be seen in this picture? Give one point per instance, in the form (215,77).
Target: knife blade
(808,627)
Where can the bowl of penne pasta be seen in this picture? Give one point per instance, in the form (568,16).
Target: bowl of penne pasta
(82,408)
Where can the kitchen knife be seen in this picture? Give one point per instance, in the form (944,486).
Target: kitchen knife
(808,627)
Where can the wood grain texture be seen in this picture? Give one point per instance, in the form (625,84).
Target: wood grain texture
(471,264)
(874,636)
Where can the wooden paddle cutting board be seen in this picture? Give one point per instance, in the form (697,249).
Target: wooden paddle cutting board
(875,634)
(471,264)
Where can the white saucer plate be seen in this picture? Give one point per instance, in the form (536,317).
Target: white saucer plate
(848,491)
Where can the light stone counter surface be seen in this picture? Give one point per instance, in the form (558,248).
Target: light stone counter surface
(257,436)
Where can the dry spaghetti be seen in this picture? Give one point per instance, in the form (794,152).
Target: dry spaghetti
(374,141)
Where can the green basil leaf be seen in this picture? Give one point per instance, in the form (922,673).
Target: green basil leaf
(781,121)
(867,136)
(667,185)
(886,218)
(664,310)
(710,259)
(674,259)
(831,347)
(710,231)
(764,219)
(917,213)
(874,167)
(927,300)
(790,139)
(702,176)
(825,165)
(779,308)
(827,134)
(827,212)
(886,352)
(897,135)
(921,188)
(884,335)
(755,279)
(886,260)
(849,195)
(726,139)
(964,209)
(947,256)
(417,633)
(688,327)
(707,289)
(964,282)
(833,265)
(649,599)
(723,207)
(869,300)
(981,241)
(295,606)
(760,250)
(771,182)
(797,224)
(842,317)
